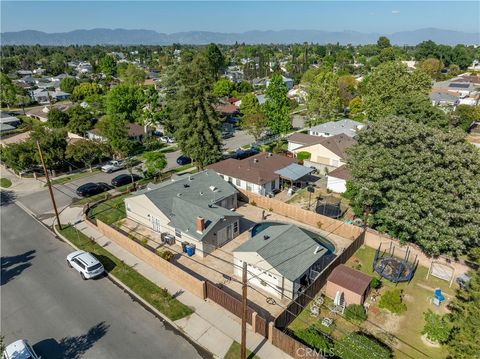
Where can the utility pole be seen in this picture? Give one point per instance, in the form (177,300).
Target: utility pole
(243,353)
(49,185)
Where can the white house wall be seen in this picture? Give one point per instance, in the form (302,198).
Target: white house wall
(337,185)
(252,187)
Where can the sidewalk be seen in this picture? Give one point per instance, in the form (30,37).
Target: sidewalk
(211,326)
(21,184)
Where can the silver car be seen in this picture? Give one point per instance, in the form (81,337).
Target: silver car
(86,264)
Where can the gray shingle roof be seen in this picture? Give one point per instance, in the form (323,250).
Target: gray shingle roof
(345,126)
(190,196)
(288,249)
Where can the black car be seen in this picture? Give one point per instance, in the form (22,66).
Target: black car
(123,179)
(241,154)
(90,189)
(184,160)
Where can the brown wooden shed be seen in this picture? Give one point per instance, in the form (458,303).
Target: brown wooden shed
(353,284)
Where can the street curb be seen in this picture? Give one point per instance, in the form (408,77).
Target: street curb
(140,300)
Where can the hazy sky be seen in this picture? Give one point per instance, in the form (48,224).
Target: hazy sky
(239,16)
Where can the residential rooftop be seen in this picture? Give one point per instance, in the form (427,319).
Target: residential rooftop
(345,126)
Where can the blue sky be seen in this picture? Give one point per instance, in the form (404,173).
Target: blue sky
(239,16)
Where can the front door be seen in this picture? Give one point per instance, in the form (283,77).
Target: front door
(155,223)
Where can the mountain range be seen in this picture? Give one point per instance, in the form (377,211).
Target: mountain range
(151,37)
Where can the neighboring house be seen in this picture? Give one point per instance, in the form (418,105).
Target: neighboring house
(337,179)
(41,95)
(327,153)
(298,139)
(286,80)
(260,98)
(21,137)
(346,126)
(282,260)
(39,113)
(443,99)
(352,285)
(255,174)
(135,132)
(297,94)
(197,209)
(7,119)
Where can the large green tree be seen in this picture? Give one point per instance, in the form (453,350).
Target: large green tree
(57,118)
(108,65)
(85,90)
(125,100)
(464,116)
(215,59)
(192,118)
(80,120)
(68,84)
(464,318)
(155,163)
(387,83)
(8,91)
(323,98)
(277,106)
(419,183)
(131,74)
(87,152)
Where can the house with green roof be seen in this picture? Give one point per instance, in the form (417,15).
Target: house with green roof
(195,208)
(282,259)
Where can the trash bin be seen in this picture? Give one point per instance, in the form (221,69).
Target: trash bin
(190,250)
(184,247)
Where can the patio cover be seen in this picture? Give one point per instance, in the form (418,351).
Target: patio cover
(294,171)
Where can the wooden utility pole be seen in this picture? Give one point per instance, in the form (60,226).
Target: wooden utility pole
(49,185)
(243,353)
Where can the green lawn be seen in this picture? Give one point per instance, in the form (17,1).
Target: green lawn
(151,293)
(109,211)
(5,182)
(234,352)
(73,177)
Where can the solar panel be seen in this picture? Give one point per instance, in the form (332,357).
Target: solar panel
(459,85)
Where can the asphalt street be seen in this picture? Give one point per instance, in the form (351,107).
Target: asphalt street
(63,316)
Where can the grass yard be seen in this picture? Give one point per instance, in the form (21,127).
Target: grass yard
(73,177)
(109,211)
(5,182)
(234,352)
(154,295)
(406,327)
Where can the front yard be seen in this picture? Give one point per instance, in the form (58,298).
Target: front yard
(401,332)
(110,211)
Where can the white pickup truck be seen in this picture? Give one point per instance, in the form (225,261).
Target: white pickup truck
(112,166)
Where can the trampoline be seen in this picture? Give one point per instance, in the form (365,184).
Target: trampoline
(329,208)
(393,268)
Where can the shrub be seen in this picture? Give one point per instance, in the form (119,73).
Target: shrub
(356,313)
(375,283)
(313,338)
(436,327)
(167,255)
(303,155)
(392,301)
(253,203)
(152,144)
(359,345)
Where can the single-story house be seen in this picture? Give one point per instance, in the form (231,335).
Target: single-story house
(135,132)
(42,95)
(346,126)
(443,99)
(337,179)
(353,285)
(197,209)
(281,260)
(326,153)
(255,174)
(299,139)
(7,119)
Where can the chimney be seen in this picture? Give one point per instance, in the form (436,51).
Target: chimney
(200,224)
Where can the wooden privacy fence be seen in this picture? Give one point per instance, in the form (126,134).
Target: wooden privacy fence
(292,346)
(295,308)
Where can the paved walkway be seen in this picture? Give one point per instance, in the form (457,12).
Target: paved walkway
(21,184)
(211,326)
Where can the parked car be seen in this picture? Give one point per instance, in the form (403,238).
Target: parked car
(112,166)
(240,154)
(166,139)
(90,189)
(123,179)
(184,160)
(20,349)
(86,264)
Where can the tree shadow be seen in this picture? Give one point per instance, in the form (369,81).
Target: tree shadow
(71,347)
(13,266)
(7,197)
(108,264)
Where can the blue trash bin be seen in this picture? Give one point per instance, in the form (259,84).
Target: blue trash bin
(190,250)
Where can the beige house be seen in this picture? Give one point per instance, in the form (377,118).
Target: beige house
(195,209)
(282,259)
(326,153)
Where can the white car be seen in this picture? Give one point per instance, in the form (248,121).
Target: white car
(20,350)
(86,264)
(166,139)
(112,166)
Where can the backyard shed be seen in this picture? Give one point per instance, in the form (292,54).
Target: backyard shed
(351,283)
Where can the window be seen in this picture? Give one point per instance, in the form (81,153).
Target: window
(249,186)
(238,182)
(235,227)
(335,163)
(230,179)
(178,234)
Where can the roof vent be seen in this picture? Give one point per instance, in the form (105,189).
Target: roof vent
(213,188)
(201,193)
(265,237)
(317,249)
(255,160)
(270,154)
(186,185)
(190,178)
(179,194)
